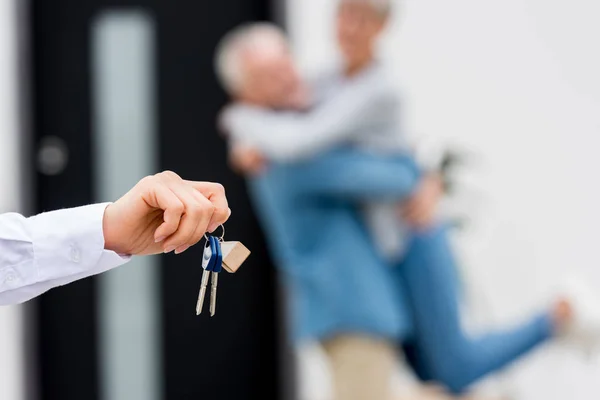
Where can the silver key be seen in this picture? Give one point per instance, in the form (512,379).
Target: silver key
(213,293)
(202,294)
(206,257)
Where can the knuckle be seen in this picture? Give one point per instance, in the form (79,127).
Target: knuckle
(148,180)
(206,202)
(210,209)
(195,209)
(178,206)
(205,207)
(219,188)
(170,175)
(223,212)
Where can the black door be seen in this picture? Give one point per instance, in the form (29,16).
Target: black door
(234,356)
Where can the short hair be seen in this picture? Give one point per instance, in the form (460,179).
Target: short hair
(383,7)
(228,60)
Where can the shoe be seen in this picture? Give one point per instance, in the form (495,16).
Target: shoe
(583,329)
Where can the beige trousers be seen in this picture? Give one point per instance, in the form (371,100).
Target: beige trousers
(361,367)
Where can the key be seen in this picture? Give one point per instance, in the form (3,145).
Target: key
(209,258)
(213,294)
(202,294)
(217,255)
(215,276)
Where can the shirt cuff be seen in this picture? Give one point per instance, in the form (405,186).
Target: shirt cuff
(70,242)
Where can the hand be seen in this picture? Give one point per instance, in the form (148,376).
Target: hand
(246,160)
(299,99)
(420,210)
(163,213)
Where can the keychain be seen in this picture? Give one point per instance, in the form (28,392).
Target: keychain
(218,255)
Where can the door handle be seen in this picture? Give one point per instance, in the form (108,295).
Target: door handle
(52,156)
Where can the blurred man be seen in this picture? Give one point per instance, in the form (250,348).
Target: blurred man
(342,291)
(162,213)
(355,108)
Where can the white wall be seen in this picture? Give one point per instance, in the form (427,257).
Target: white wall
(11,351)
(515,82)
(9,200)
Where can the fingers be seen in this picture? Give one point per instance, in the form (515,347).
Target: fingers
(253,164)
(256,166)
(419,212)
(215,193)
(416,209)
(246,160)
(194,222)
(190,209)
(164,198)
(237,162)
(419,218)
(203,227)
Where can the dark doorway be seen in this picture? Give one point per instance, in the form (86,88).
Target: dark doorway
(233,356)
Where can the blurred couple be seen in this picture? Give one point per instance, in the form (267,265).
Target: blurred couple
(350,215)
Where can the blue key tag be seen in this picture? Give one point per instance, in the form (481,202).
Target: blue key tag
(214,255)
(218,267)
(210,255)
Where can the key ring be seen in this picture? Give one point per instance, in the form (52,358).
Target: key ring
(222,238)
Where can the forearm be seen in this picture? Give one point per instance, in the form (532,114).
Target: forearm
(289,137)
(50,250)
(108,260)
(283,138)
(356,175)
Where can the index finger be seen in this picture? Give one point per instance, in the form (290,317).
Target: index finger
(160,196)
(215,193)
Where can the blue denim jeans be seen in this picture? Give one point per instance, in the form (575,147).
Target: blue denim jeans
(443,352)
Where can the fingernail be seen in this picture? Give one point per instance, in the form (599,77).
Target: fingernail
(169,249)
(213,228)
(181,249)
(160,239)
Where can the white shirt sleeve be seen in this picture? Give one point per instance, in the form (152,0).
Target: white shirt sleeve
(50,250)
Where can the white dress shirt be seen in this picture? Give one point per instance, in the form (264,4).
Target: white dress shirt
(50,250)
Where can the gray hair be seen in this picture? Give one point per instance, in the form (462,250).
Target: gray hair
(228,61)
(383,7)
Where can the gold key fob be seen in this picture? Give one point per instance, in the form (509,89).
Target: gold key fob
(234,255)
